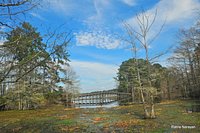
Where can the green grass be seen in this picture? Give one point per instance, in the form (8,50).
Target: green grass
(57,119)
(66,122)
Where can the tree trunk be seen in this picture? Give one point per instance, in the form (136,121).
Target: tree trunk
(152,108)
(132,92)
(146,114)
(188,79)
(168,89)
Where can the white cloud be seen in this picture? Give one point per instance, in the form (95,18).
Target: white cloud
(173,11)
(178,10)
(98,39)
(90,12)
(129,2)
(95,76)
(101,10)
(64,6)
(38,16)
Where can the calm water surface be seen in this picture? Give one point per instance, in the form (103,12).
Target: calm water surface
(114,104)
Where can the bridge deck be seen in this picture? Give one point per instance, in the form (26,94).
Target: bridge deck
(101,97)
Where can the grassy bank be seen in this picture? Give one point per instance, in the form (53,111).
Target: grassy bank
(172,116)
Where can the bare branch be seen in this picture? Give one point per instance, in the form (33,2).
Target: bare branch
(158,33)
(153,21)
(4,24)
(14,4)
(19,12)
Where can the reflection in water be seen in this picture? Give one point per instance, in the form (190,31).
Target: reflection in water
(114,104)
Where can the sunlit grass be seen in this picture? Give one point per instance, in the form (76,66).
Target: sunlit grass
(118,119)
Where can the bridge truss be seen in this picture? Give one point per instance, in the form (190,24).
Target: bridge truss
(100,98)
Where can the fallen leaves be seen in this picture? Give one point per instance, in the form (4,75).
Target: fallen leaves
(64,117)
(98,119)
(121,118)
(102,112)
(124,124)
(69,129)
(69,109)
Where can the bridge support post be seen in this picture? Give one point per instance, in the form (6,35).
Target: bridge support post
(90,99)
(101,98)
(106,100)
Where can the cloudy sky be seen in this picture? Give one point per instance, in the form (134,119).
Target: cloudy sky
(97,49)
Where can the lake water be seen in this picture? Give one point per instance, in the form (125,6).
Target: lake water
(114,104)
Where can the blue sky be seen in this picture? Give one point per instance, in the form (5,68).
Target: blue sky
(97,50)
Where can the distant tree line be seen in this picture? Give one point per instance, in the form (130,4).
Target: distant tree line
(186,62)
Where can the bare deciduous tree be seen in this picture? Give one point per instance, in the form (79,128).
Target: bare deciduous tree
(140,37)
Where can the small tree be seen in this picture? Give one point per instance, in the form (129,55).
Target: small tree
(141,36)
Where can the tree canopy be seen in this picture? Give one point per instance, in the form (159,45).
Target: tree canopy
(31,68)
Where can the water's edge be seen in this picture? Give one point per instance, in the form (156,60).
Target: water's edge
(114,104)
